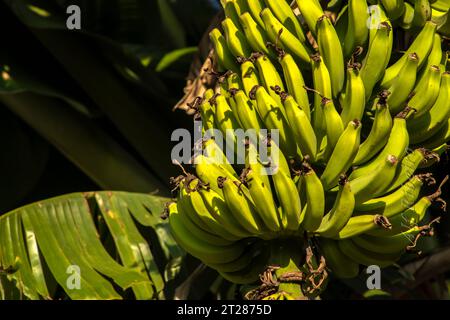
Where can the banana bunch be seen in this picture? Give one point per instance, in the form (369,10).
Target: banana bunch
(358,126)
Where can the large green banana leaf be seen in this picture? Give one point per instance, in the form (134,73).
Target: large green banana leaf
(114,242)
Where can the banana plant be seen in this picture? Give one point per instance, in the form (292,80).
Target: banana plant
(102,97)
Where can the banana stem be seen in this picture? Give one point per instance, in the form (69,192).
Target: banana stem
(286,257)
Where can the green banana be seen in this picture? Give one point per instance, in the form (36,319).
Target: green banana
(422,12)
(377,58)
(421,45)
(354,97)
(286,16)
(408,166)
(315,206)
(208,237)
(224,56)
(276,159)
(207,115)
(214,152)
(190,204)
(249,76)
(322,83)
(263,199)
(334,124)
(413,215)
(434,58)
(218,208)
(374,182)
(198,247)
(403,84)
(436,14)
(301,127)
(357,31)
(282,37)
(246,112)
(225,119)
(406,21)
(435,156)
(394,8)
(269,77)
(363,224)
(404,221)
(232,11)
(379,134)
(225,220)
(443,23)
(273,117)
(343,155)
(255,7)
(256,35)
(377,17)
(295,82)
(253,162)
(236,40)
(335,220)
(208,170)
(439,138)
(427,125)
(441,5)
(199,215)
(366,257)
(390,245)
(288,198)
(240,207)
(397,146)
(233,83)
(426,91)
(251,273)
(396,202)
(230,82)
(208,94)
(311,11)
(242,262)
(241,6)
(331,51)
(341,266)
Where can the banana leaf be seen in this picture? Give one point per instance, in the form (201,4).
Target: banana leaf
(116,242)
(172,57)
